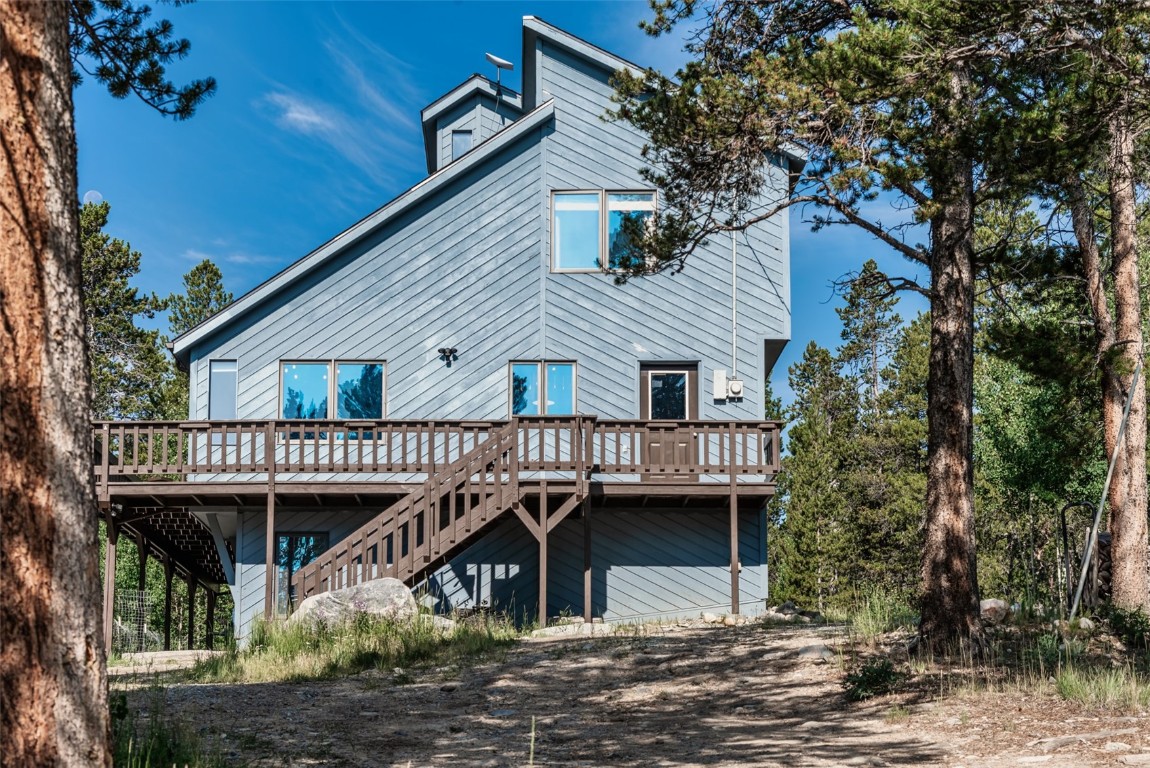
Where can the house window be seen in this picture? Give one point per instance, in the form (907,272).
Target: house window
(556,382)
(588,229)
(293,552)
(339,389)
(222,375)
(460,144)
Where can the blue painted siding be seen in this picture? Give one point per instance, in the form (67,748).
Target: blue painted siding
(468,266)
(644,564)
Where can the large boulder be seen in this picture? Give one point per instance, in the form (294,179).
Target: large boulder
(994,611)
(381,598)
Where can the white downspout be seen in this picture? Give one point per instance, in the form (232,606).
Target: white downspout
(734,310)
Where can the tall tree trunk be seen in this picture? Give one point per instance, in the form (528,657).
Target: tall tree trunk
(949,598)
(53,702)
(1130,581)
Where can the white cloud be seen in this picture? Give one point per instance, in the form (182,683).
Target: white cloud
(297,114)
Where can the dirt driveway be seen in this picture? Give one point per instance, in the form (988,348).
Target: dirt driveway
(681,695)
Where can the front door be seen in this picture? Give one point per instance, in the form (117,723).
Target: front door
(669,395)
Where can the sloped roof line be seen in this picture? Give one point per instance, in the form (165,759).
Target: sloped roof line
(182,344)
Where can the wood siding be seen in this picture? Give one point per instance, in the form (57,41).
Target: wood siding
(644,564)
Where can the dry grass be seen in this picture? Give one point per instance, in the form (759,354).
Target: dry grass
(282,653)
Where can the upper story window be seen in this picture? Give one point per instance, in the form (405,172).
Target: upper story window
(222,389)
(340,389)
(587,227)
(460,144)
(542,388)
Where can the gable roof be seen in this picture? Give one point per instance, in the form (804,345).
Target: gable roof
(534,29)
(476,84)
(182,344)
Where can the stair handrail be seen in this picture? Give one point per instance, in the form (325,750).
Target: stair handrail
(413,503)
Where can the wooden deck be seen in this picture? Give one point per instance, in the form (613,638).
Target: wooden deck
(437,484)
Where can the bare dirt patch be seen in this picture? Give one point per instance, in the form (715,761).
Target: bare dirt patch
(681,695)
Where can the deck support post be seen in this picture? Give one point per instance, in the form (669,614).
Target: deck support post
(191,613)
(543,554)
(109,580)
(142,565)
(734,502)
(168,573)
(587,615)
(211,620)
(270,541)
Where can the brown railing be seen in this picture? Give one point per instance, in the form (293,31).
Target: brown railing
(550,444)
(422,527)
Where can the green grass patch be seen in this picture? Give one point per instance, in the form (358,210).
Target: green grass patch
(881,612)
(874,678)
(1118,688)
(282,652)
(154,741)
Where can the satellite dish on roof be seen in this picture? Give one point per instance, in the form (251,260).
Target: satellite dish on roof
(500,65)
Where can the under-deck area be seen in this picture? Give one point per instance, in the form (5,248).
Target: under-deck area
(409,496)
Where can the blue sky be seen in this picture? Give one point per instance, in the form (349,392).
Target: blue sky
(316,124)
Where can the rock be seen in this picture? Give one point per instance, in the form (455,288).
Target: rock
(788,608)
(1085,624)
(730,621)
(994,611)
(712,618)
(442,623)
(819,654)
(1143,759)
(449,687)
(1116,746)
(382,598)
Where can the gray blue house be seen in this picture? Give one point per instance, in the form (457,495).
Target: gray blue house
(455,391)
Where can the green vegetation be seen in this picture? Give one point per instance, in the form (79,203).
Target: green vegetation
(154,742)
(282,652)
(1120,688)
(873,678)
(878,613)
(1133,627)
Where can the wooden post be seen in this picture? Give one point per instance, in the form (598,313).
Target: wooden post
(142,567)
(109,580)
(191,612)
(270,533)
(543,554)
(734,551)
(168,573)
(587,615)
(211,625)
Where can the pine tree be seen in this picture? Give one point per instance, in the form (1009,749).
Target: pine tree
(204,295)
(811,538)
(128,367)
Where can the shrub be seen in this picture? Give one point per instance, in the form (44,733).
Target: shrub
(1132,626)
(871,679)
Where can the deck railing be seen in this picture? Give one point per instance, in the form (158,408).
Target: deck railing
(544,444)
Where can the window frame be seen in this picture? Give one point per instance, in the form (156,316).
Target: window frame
(276,567)
(541,366)
(332,385)
(235,394)
(470,142)
(604,216)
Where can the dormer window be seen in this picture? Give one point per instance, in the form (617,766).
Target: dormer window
(587,232)
(460,144)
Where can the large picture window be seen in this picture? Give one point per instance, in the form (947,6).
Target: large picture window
(542,388)
(590,231)
(340,389)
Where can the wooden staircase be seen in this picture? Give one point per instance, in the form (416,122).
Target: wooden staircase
(429,525)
